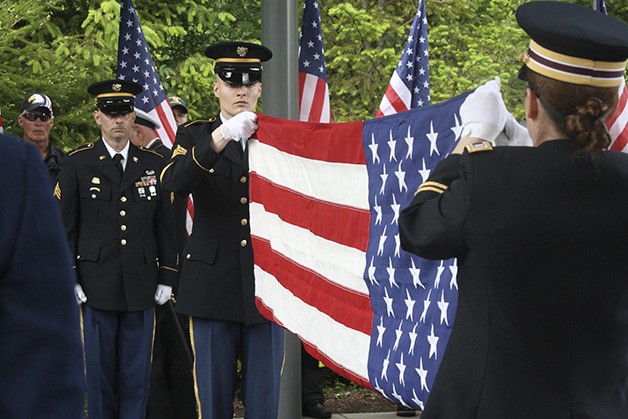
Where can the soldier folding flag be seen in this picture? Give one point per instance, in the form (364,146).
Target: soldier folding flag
(328,264)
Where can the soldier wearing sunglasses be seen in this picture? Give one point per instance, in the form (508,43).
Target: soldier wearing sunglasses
(36,119)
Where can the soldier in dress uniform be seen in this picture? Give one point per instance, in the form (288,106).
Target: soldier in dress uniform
(171,393)
(541,329)
(120,227)
(217,286)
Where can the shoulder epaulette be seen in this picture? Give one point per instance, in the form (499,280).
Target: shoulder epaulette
(479,146)
(81,148)
(207,121)
(150,151)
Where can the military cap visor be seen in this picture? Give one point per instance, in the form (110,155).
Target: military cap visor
(239,62)
(573,44)
(115,97)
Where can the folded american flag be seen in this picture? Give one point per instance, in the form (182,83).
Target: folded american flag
(324,205)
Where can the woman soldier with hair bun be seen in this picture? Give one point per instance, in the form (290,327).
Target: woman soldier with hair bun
(540,233)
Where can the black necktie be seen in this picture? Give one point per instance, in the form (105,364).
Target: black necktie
(117,159)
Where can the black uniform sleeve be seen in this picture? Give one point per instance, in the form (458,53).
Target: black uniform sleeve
(192,157)
(66,191)
(165,229)
(432,225)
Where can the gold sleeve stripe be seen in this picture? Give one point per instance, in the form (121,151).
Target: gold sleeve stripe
(428,188)
(431,186)
(163,172)
(57,191)
(168,268)
(196,161)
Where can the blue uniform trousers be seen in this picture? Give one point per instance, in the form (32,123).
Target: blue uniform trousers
(118,346)
(217,347)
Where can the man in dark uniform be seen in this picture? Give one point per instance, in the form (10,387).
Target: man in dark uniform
(541,328)
(41,362)
(171,393)
(217,286)
(36,119)
(121,231)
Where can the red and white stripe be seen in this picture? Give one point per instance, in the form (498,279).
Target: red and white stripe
(305,233)
(314,99)
(618,124)
(396,99)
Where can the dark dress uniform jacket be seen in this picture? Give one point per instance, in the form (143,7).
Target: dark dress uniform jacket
(121,230)
(217,279)
(541,236)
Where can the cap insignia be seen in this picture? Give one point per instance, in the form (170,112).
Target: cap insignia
(242,51)
(116,87)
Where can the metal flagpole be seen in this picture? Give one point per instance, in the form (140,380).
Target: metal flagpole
(281,99)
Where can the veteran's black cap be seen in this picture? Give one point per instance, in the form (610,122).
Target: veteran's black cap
(176,101)
(573,44)
(115,97)
(35,101)
(239,62)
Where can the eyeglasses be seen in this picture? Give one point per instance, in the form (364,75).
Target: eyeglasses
(30,116)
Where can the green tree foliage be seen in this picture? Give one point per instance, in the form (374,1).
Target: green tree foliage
(59,47)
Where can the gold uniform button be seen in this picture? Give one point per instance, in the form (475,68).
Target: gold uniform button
(94,196)
(243,243)
(188,256)
(123,242)
(244,221)
(211,170)
(78,257)
(244,200)
(123,213)
(123,198)
(243,179)
(123,227)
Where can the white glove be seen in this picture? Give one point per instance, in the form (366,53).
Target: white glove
(163,294)
(80,295)
(514,134)
(240,127)
(483,113)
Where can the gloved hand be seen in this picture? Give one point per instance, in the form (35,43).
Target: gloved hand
(483,113)
(163,294)
(80,295)
(514,134)
(240,127)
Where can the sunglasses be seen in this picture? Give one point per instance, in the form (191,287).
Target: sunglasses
(44,117)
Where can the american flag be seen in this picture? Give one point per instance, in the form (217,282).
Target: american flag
(1,128)
(409,85)
(135,63)
(328,265)
(313,90)
(617,124)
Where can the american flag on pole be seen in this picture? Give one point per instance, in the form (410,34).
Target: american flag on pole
(409,85)
(617,123)
(328,265)
(135,63)
(313,90)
